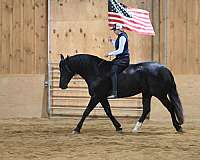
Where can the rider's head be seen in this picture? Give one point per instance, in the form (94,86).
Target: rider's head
(117,28)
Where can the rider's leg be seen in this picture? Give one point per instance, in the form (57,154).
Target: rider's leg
(114,82)
(119,64)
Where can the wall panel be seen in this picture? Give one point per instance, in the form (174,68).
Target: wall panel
(1,53)
(17,40)
(183,36)
(41,36)
(6,34)
(23,38)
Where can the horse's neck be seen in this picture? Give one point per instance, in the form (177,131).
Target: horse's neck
(85,69)
(91,68)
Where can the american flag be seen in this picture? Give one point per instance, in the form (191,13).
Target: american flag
(133,19)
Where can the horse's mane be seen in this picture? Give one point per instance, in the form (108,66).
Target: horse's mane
(86,61)
(85,58)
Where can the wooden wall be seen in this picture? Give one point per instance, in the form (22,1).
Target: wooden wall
(23,36)
(183,35)
(81,26)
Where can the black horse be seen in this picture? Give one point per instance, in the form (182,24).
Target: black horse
(148,78)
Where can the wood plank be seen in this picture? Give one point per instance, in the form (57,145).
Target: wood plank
(156,25)
(29,37)
(97,108)
(190,33)
(6,34)
(1,63)
(71,92)
(97,112)
(84,101)
(22,57)
(180,37)
(171,37)
(72,84)
(197,33)
(161,43)
(78,92)
(193,40)
(41,36)
(17,35)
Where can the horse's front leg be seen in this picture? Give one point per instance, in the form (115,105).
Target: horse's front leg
(92,103)
(104,102)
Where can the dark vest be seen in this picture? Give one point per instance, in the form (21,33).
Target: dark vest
(125,51)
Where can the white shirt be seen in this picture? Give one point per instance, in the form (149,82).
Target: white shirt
(122,41)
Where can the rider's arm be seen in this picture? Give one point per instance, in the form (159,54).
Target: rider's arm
(122,42)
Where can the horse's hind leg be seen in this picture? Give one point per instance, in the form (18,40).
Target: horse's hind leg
(92,103)
(105,104)
(146,101)
(165,101)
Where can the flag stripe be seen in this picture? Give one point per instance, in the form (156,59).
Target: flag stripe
(136,30)
(135,20)
(138,15)
(138,11)
(131,28)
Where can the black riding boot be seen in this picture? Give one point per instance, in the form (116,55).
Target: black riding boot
(114,86)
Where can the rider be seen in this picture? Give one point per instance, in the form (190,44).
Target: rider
(122,55)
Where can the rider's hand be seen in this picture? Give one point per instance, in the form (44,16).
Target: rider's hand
(106,55)
(109,39)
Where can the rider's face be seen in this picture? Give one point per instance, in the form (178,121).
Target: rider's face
(117,31)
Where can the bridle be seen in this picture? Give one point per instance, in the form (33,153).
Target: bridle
(68,69)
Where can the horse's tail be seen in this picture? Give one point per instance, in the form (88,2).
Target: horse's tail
(175,100)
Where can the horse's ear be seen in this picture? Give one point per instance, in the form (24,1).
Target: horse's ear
(61,57)
(67,57)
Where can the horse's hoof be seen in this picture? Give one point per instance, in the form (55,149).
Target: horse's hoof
(135,131)
(75,132)
(180,131)
(119,131)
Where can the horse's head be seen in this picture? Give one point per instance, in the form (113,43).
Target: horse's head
(66,73)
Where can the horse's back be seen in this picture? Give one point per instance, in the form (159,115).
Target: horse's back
(144,67)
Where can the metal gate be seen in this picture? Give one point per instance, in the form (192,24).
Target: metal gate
(73,101)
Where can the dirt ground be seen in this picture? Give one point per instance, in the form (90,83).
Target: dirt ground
(36,138)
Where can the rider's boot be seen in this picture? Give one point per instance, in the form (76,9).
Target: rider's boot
(114,86)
